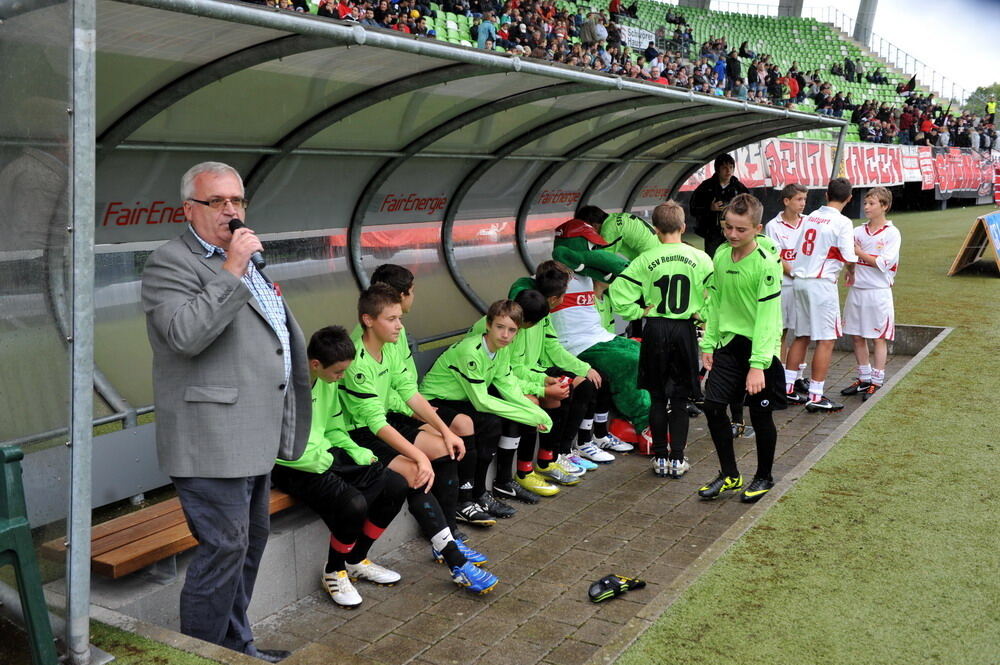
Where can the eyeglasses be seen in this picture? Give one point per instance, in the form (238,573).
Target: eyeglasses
(219,203)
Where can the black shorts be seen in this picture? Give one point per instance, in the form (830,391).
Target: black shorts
(668,359)
(408,427)
(727,379)
(324,492)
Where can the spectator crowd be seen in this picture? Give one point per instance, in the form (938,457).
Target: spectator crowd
(594,41)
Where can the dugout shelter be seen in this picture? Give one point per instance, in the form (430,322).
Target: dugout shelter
(358,146)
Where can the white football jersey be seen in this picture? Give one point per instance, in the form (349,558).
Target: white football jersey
(576,320)
(786,237)
(883,244)
(826,243)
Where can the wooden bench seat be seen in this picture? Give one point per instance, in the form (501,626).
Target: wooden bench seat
(132,542)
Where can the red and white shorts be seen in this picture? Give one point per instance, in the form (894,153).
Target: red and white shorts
(870,313)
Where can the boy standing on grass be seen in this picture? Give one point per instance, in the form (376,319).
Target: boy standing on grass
(869,312)
(784,231)
(826,243)
(742,335)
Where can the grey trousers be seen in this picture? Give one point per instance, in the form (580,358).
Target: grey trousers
(230,519)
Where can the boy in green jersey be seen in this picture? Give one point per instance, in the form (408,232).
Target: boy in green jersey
(742,338)
(425,451)
(666,285)
(342,482)
(401,280)
(625,233)
(475,377)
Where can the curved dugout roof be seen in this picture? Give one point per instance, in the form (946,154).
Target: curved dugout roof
(358,147)
(336,127)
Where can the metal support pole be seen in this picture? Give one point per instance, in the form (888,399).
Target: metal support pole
(83,110)
(839,155)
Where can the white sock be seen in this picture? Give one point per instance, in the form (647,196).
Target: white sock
(441,538)
(816,390)
(864,373)
(601,417)
(509,442)
(802,371)
(588,423)
(878,376)
(790,376)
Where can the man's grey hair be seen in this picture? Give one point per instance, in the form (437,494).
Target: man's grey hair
(217,168)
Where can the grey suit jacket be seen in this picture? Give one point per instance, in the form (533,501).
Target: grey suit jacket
(222,407)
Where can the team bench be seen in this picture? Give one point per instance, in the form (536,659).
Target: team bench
(141,539)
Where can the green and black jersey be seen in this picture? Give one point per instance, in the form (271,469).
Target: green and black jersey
(467,370)
(370,387)
(671,277)
(628,235)
(327,430)
(403,347)
(745,299)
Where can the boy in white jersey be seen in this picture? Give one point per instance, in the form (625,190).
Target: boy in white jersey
(869,312)
(826,243)
(784,231)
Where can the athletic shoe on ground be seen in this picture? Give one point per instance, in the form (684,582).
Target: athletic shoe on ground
(495,507)
(692,410)
(341,591)
(372,572)
(722,483)
(474,579)
(743,430)
(678,467)
(581,462)
(802,386)
(554,473)
(473,513)
(591,452)
(757,488)
(535,484)
(660,467)
(869,391)
(824,404)
(856,388)
(471,555)
(564,463)
(613,443)
(512,490)
(796,398)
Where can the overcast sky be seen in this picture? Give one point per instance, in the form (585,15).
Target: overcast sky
(958,38)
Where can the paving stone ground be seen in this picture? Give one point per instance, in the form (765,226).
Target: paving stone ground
(621,519)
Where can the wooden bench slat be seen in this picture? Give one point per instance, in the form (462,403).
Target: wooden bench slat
(146,551)
(132,542)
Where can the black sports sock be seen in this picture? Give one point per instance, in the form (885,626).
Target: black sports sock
(526,450)
(445,488)
(580,403)
(680,424)
(767,440)
(426,510)
(722,437)
(467,473)
(658,423)
(483,461)
(337,555)
(736,410)
(452,556)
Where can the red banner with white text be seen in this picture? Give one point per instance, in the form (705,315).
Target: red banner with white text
(779,162)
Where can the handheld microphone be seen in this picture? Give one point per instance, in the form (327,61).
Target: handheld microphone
(256,258)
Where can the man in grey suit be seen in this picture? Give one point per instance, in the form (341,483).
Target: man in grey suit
(231,384)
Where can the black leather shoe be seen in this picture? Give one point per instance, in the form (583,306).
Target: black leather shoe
(273,655)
